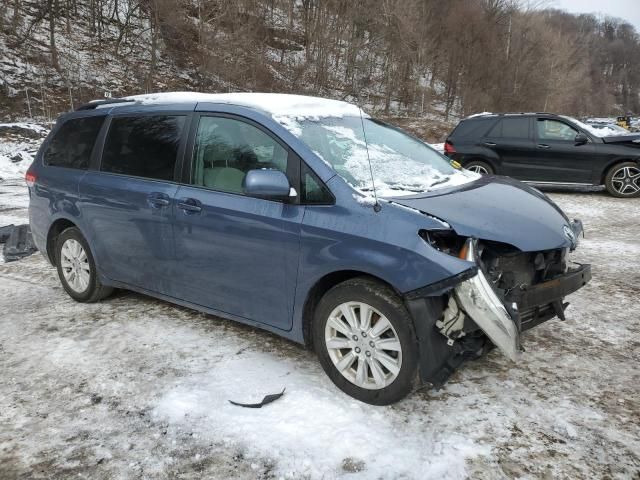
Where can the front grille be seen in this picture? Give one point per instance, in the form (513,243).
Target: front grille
(507,268)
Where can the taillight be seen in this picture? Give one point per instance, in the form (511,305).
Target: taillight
(448,148)
(30,178)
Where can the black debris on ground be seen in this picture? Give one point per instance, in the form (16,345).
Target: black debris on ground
(266,400)
(5,232)
(19,244)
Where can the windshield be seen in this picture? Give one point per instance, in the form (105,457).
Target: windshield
(401,165)
(601,130)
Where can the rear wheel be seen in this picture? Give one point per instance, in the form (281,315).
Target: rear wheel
(77,268)
(623,180)
(364,338)
(480,167)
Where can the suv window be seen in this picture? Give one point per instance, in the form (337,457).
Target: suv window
(516,127)
(144,146)
(555,130)
(472,128)
(314,192)
(72,144)
(226,149)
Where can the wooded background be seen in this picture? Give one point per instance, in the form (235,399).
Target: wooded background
(397,57)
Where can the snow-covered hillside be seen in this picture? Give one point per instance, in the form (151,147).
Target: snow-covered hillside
(91,59)
(19,142)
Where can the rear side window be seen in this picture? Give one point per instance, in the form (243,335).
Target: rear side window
(517,127)
(469,129)
(145,146)
(72,144)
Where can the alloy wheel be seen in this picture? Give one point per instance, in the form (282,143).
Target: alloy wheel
(75,265)
(363,345)
(478,169)
(626,180)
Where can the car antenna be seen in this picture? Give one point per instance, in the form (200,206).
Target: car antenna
(376,206)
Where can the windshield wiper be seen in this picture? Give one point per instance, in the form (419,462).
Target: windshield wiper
(439,182)
(394,187)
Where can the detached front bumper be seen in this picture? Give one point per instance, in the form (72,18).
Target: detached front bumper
(502,321)
(550,292)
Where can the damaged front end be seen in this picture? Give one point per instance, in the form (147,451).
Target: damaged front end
(507,292)
(477,298)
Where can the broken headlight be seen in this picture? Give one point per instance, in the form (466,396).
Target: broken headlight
(447,241)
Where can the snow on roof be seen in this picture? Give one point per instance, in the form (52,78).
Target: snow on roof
(481,114)
(275,104)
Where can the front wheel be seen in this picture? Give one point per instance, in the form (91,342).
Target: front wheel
(364,338)
(77,268)
(623,180)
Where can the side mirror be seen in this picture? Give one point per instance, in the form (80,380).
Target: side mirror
(269,184)
(581,139)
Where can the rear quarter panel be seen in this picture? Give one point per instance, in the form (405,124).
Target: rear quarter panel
(55,194)
(471,146)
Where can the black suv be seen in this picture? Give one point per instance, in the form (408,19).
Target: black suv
(547,149)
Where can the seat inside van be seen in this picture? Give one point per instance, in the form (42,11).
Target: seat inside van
(221,163)
(228,149)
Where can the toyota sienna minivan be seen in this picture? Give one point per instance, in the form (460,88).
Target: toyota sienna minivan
(308,218)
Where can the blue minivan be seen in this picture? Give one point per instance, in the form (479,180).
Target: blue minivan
(305,217)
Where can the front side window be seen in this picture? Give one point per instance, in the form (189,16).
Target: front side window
(314,192)
(555,130)
(400,164)
(72,144)
(226,149)
(517,128)
(144,146)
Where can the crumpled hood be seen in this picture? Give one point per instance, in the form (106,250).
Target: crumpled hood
(498,209)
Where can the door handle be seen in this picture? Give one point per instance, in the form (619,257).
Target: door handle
(158,200)
(489,144)
(189,206)
(542,145)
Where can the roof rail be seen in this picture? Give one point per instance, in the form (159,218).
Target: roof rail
(503,114)
(97,103)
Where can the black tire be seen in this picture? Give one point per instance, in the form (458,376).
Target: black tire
(618,184)
(480,165)
(94,291)
(386,302)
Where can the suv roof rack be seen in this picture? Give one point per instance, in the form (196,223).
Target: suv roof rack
(525,113)
(97,103)
(501,114)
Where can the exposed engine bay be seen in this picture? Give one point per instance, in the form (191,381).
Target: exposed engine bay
(511,292)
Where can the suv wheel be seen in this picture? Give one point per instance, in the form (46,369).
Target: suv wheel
(480,167)
(364,338)
(623,180)
(77,269)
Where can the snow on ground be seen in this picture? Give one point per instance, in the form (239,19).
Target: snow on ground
(19,143)
(134,387)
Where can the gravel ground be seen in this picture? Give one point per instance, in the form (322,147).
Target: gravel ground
(133,387)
